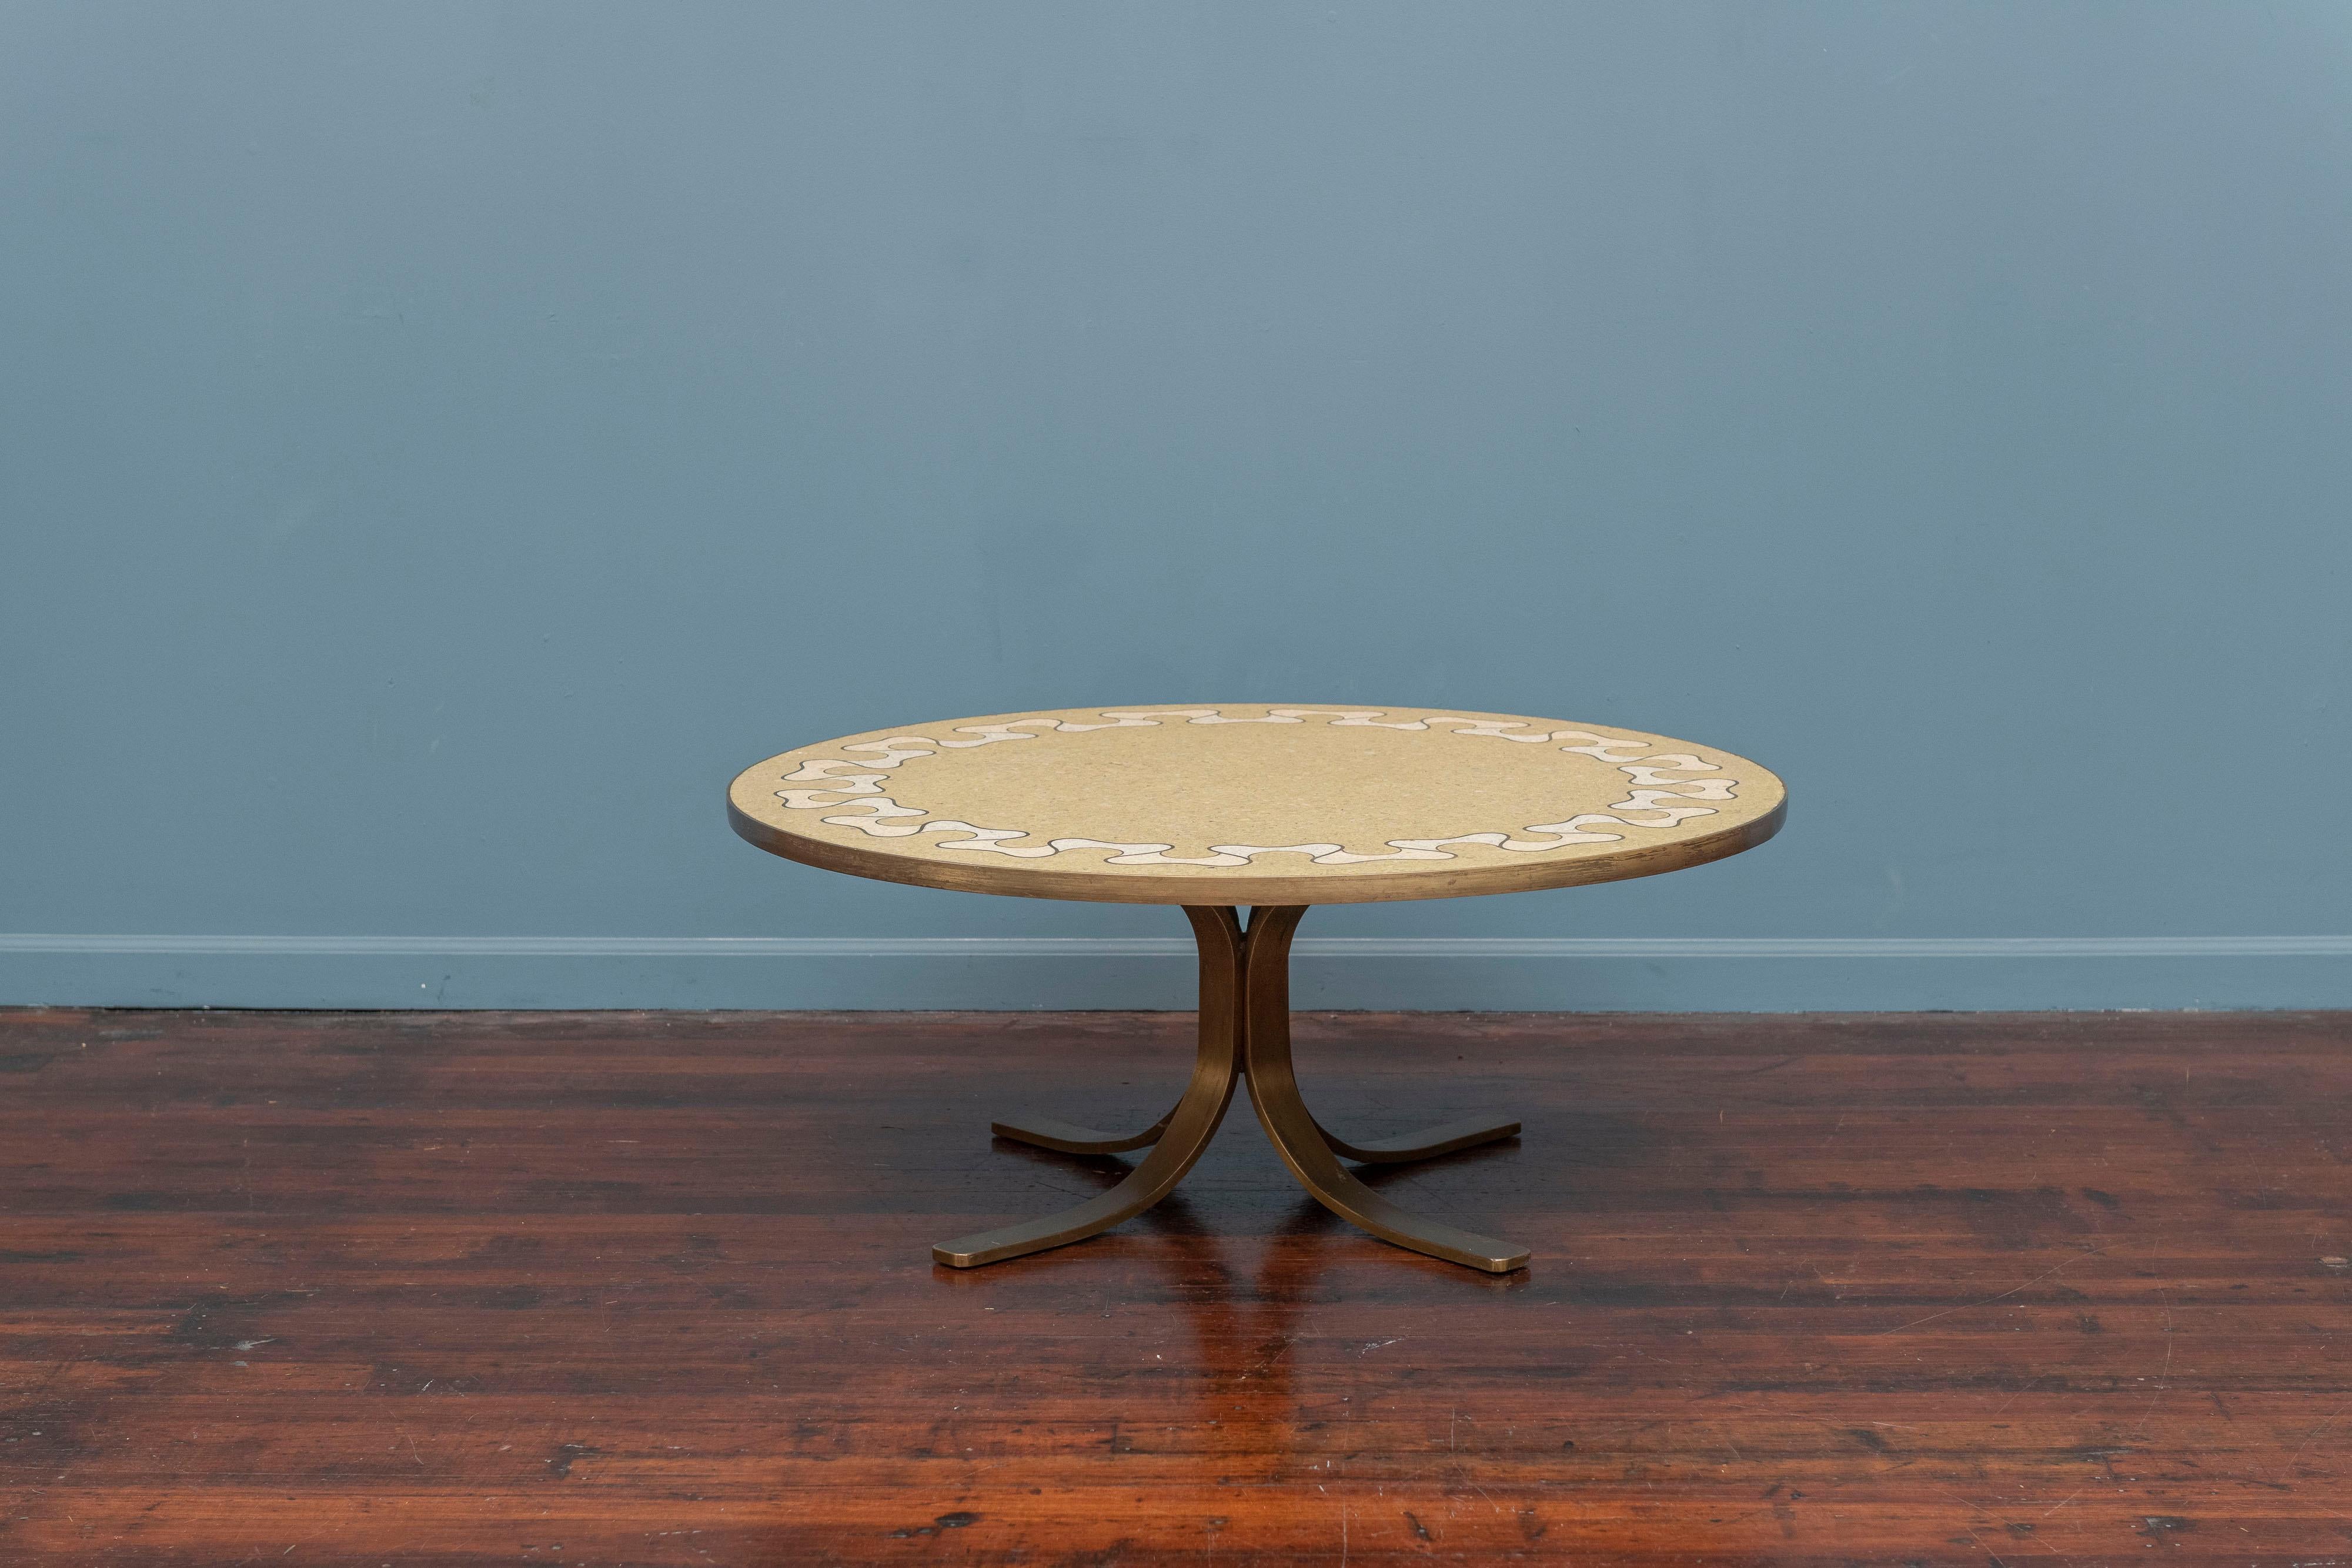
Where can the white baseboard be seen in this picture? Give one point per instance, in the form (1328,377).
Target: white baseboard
(1596,974)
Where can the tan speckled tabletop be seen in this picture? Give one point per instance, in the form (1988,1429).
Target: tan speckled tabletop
(1246,804)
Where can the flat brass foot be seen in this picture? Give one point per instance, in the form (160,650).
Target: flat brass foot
(1427,1143)
(1069,1138)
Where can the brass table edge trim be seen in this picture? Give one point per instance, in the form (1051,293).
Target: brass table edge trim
(1264,892)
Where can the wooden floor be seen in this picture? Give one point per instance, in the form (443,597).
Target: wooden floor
(602,1288)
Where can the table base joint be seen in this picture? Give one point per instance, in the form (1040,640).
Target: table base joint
(1244,1035)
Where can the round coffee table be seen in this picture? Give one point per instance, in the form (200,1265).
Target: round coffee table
(1275,809)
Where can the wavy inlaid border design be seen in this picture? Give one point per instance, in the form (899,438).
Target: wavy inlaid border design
(859,789)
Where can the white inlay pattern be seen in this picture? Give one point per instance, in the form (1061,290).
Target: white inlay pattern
(1664,789)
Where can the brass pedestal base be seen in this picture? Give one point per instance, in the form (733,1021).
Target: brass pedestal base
(1244,1034)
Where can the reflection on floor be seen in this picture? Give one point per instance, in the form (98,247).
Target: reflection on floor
(655,1289)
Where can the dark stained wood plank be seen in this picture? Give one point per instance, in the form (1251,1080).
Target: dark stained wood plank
(654,1289)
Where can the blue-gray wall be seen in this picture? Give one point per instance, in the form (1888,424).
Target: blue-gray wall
(443,443)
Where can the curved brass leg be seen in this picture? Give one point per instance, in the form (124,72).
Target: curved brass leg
(1189,1127)
(1274,1089)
